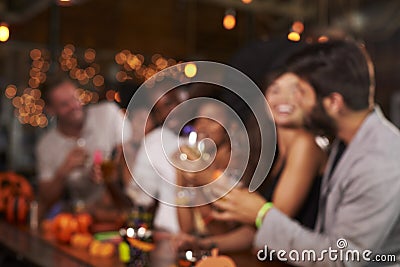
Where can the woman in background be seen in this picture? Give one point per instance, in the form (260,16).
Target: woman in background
(293,183)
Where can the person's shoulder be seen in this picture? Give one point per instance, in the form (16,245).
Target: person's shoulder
(48,136)
(305,141)
(160,133)
(103,108)
(47,141)
(383,138)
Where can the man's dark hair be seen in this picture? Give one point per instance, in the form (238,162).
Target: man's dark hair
(336,66)
(51,83)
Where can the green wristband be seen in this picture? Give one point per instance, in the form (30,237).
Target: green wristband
(261,213)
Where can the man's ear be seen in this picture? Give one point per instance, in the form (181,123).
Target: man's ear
(334,103)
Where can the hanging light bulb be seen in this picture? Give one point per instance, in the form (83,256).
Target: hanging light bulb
(4,32)
(323,39)
(64,2)
(294,36)
(247,1)
(190,70)
(298,27)
(229,21)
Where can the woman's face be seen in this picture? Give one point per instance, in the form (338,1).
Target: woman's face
(291,100)
(209,128)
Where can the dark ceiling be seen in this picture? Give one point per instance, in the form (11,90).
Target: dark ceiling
(189,28)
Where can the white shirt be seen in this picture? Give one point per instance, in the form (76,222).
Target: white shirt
(156,176)
(102,131)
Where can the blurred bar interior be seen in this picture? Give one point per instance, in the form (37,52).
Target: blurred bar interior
(111,47)
(98,40)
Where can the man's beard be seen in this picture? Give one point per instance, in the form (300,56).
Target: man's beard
(320,123)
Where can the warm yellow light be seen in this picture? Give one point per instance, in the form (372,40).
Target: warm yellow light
(4,32)
(294,36)
(190,70)
(90,55)
(35,54)
(229,21)
(323,39)
(98,80)
(298,27)
(110,95)
(247,1)
(121,76)
(64,2)
(11,91)
(117,97)
(90,72)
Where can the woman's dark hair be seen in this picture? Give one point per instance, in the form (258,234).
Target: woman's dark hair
(336,66)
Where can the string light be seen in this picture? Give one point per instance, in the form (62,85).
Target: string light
(294,36)
(29,106)
(229,20)
(4,32)
(298,27)
(323,39)
(190,70)
(64,2)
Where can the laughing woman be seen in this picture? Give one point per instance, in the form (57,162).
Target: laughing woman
(294,181)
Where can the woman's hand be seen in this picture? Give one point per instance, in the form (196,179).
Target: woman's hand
(239,205)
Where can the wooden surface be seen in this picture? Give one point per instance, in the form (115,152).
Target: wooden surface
(44,251)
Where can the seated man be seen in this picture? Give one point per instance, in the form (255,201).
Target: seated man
(65,154)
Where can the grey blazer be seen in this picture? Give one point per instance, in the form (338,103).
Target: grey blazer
(360,203)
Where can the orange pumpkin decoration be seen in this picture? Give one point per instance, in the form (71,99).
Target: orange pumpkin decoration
(81,241)
(17,209)
(84,222)
(15,196)
(100,249)
(66,224)
(215,260)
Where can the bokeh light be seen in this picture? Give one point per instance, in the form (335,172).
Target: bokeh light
(98,80)
(323,39)
(294,36)
(11,91)
(4,32)
(298,27)
(190,70)
(229,21)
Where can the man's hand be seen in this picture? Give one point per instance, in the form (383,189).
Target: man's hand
(239,205)
(182,240)
(76,158)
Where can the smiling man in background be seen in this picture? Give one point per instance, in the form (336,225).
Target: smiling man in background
(65,153)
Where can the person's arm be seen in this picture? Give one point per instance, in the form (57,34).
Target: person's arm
(368,211)
(51,189)
(303,163)
(185,214)
(239,239)
(113,183)
(143,175)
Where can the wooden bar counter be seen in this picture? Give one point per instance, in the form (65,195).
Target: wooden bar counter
(40,250)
